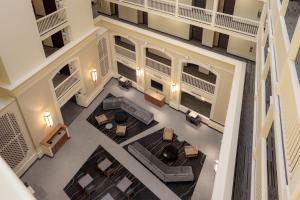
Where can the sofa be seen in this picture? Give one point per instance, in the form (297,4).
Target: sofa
(160,169)
(133,109)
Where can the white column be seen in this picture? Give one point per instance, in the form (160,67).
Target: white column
(176,8)
(215,9)
(295,43)
(12,187)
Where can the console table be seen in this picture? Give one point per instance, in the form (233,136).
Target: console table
(154,97)
(55,139)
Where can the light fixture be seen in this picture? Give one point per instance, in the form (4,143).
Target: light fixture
(202,98)
(94,75)
(48,119)
(173,87)
(216,165)
(139,71)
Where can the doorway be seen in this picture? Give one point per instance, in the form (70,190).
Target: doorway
(71,110)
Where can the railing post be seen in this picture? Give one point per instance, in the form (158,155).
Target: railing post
(262,22)
(214,12)
(176,8)
(146,5)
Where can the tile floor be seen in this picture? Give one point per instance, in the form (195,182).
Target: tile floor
(48,176)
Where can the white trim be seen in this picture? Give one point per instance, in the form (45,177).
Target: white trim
(225,175)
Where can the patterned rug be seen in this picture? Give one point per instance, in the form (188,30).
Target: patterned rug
(104,184)
(134,126)
(155,145)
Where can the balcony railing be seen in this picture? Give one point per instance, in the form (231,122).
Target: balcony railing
(136,2)
(247,27)
(199,83)
(163,6)
(125,52)
(158,66)
(194,13)
(237,24)
(52,21)
(67,84)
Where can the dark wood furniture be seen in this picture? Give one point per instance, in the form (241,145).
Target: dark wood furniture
(124,83)
(193,117)
(154,97)
(55,139)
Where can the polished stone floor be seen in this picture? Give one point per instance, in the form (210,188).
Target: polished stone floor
(49,176)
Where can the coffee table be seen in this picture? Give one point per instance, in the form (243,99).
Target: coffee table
(121,117)
(85,180)
(109,126)
(170,153)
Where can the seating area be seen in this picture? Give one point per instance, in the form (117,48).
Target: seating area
(133,109)
(102,177)
(160,169)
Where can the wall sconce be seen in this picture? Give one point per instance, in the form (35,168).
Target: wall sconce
(202,98)
(139,72)
(94,75)
(173,87)
(216,165)
(48,119)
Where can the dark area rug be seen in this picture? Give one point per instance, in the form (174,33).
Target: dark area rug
(106,184)
(134,126)
(155,145)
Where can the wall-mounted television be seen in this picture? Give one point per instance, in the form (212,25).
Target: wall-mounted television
(156,85)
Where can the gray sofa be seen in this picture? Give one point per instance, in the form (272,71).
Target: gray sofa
(160,169)
(133,109)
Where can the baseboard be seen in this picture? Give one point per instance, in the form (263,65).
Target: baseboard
(22,169)
(174,105)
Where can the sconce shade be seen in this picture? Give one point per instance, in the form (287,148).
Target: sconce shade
(173,87)
(139,71)
(48,119)
(94,75)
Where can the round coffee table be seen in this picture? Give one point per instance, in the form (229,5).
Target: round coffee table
(170,153)
(109,126)
(121,117)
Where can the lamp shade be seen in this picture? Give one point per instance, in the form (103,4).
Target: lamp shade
(94,75)
(173,87)
(48,119)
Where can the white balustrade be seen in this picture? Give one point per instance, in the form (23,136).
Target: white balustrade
(136,2)
(229,22)
(158,66)
(66,85)
(238,24)
(194,13)
(125,52)
(162,5)
(51,21)
(199,83)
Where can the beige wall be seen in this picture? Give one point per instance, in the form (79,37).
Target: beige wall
(128,14)
(223,90)
(241,48)
(208,35)
(225,70)
(103,7)
(36,95)
(169,26)
(248,9)
(80,17)
(3,75)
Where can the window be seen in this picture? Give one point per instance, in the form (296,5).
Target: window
(103,57)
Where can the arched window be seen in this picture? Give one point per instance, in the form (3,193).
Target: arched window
(200,72)
(67,77)
(158,60)
(125,47)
